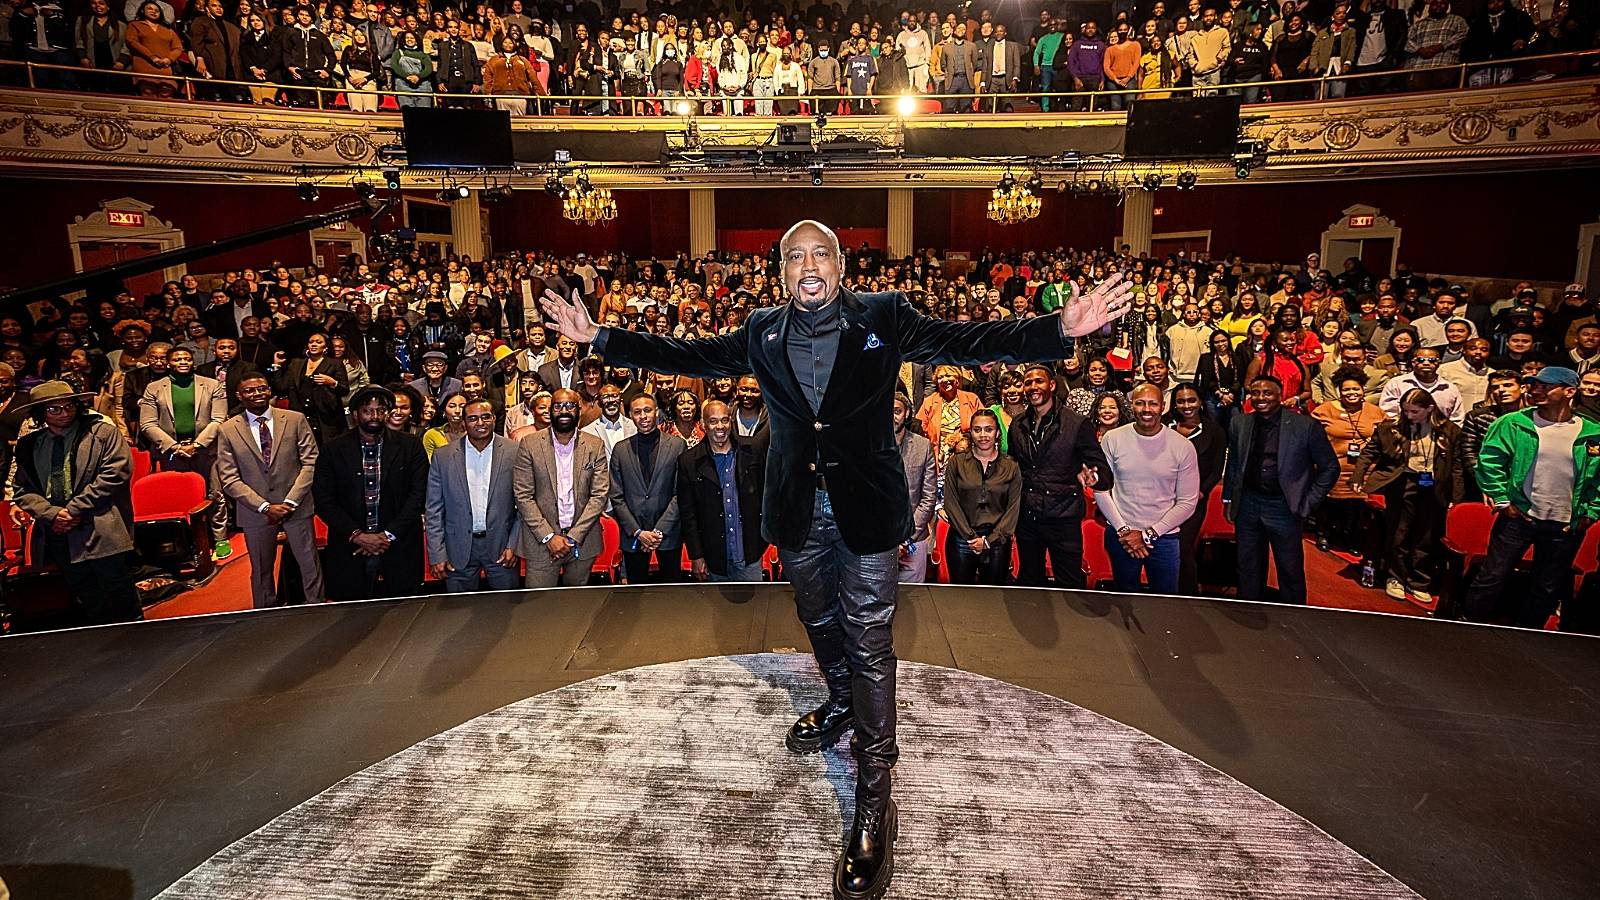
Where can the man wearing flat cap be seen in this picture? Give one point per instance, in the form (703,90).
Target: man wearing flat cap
(73,478)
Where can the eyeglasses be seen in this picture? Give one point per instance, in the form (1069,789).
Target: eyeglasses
(567,405)
(56,409)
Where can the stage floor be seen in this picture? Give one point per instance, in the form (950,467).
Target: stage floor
(1458,758)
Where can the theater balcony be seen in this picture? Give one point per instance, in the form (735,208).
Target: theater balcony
(1526,125)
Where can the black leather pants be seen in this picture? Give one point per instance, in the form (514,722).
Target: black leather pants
(846,602)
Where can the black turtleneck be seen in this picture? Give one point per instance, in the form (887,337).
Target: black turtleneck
(813,344)
(646,445)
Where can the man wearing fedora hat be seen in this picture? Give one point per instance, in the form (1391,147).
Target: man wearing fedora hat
(73,477)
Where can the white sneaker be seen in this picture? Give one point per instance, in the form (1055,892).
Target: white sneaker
(1394,589)
(1422,597)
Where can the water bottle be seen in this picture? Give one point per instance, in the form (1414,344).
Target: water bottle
(1369,574)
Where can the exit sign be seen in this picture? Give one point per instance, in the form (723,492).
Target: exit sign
(124,217)
(1362,221)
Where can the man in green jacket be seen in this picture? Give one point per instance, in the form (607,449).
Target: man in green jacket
(1044,61)
(1540,470)
(1058,292)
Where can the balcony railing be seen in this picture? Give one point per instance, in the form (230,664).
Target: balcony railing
(1464,76)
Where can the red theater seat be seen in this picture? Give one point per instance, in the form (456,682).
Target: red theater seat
(172,523)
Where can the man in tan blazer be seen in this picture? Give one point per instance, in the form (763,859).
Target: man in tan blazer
(266,459)
(561,483)
(179,417)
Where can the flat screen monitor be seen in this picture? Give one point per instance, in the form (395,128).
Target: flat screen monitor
(458,138)
(1182,128)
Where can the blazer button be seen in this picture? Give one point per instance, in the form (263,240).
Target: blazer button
(811,466)
(817,425)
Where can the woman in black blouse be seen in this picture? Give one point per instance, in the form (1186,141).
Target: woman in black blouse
(982,501)
(1218,373)
(1210,442)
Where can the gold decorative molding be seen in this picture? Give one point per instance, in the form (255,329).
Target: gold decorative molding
(1489,129)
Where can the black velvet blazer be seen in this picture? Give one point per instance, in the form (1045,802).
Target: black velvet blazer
(850,440)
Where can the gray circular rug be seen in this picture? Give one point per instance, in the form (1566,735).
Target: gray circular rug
(672,781)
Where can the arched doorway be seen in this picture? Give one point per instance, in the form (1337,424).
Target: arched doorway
(120,231)
(1366,235)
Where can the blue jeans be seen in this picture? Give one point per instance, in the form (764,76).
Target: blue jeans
(1160,567)
(1251,92)
(1047,77)
(1260,521)
(957,84)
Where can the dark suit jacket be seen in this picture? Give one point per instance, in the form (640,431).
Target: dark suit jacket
(851,439)
(1307,468)
(324,406)
(550,375)
(649,504)
(337,488)
(220,322)
(700,502)
(236,373)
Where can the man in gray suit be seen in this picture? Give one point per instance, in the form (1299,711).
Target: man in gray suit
(999,68)
(561,483)
(179,417)
(266,461)
(644,498)
(470,516)
(916,453)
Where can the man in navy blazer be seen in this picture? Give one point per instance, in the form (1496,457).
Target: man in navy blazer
(470,513)
(1280,467)
(836,503)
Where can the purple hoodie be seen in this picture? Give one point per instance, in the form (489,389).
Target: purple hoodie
(1086,58)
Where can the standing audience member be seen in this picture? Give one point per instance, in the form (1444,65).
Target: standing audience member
(1280,467)
(1060,460)
(562,483)
(1415,465)
(179,417)
(266,461)
(1210,441)
(370,485)
(644,501)
(1540,470)
(983,503)
(720,483)
(1157,489)
(470,514)
(1506,395)
(922,480)
(72,477)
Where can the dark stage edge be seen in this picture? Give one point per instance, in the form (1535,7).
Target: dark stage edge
(1459,758)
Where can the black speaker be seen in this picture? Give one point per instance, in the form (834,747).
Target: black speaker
(1183,128)
(457,138)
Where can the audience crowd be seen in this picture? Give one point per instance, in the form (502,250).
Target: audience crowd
(420,411)
(765,57)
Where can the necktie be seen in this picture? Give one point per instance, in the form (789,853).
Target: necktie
(58,469)
(266,440)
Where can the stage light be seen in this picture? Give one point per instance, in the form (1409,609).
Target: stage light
(683,108)
(906,105)
(391,178)
(816,174)
(1036,185)
(308,191)
(1093,185)
(1187,180)
(822,121)
(1151,182)
(452,194)
(1061,187)
(364,190)
(1243,171)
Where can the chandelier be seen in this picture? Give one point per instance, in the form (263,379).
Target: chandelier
(1013,201)
(588,204)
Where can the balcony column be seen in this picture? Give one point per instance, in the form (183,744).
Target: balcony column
(702,221)
(1138,219)
(901,212)
(466,226)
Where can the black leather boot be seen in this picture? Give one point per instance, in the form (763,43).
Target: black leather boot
(822,726)
(867,864)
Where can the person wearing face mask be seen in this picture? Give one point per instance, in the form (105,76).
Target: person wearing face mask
(667,76)
(917,45)
(823,74)
(1380,46)
(412,70)
(562,484)
(1434,41)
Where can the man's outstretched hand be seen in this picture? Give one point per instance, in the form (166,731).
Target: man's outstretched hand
(570,317)
(1105,304)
